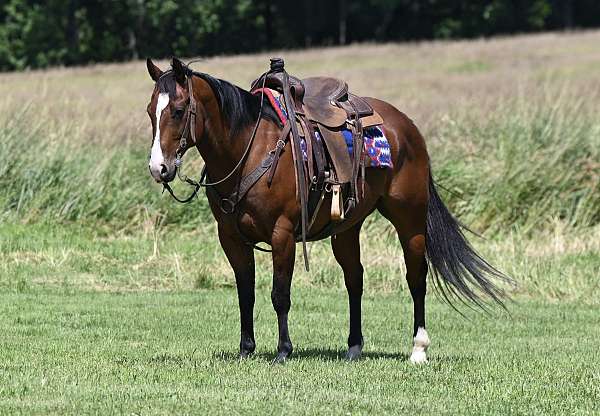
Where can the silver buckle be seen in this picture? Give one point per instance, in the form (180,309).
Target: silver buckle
(227,206)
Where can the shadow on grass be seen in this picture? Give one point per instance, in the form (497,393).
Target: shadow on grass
(319,354)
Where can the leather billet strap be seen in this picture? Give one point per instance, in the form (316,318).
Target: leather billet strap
(358,165)
(299,165)
(277,151)
(308,142)
(302,185)
(317,152)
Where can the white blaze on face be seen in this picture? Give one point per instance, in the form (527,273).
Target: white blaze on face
(156,157)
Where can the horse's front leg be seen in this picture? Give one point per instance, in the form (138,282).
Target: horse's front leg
(284,251)
(241,258)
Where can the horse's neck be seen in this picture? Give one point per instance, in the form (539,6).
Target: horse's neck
(213,140)
(222,151)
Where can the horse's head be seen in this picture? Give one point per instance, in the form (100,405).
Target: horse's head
(169,112)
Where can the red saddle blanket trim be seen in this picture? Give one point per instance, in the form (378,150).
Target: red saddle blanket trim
(275,103)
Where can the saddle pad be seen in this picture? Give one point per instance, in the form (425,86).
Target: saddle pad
(376,144)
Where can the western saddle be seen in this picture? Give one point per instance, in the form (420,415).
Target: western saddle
(325,106)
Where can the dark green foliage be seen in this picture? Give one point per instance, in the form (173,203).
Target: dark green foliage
(37,34)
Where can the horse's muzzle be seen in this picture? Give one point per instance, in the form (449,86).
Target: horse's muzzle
(163,174)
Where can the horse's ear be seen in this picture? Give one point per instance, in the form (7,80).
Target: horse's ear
(154,71)
(180,71)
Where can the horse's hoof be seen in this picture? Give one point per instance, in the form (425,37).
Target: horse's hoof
(418,357)
(247,347)
(245,354)
(281,358)
(354,353)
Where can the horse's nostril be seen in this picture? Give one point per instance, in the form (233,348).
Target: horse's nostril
(163,169)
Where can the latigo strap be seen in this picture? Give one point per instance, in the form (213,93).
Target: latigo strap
(277,66)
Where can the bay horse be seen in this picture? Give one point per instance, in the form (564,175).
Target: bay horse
(234,130)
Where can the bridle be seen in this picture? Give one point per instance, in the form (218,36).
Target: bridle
(189,131)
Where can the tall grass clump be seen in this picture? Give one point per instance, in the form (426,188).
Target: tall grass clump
(525,165)
(55,174)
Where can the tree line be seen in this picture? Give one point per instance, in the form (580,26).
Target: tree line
(37,34)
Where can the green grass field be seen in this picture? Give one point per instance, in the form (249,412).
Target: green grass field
(116,300)
(104,324)
(164,353)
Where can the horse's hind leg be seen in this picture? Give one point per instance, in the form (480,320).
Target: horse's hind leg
(410,224)
(416,276)
(346,249)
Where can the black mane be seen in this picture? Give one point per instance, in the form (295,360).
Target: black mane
(239,107)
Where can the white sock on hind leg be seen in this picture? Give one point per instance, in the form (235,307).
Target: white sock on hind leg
(420,344)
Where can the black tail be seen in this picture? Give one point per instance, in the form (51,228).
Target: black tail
(458,271)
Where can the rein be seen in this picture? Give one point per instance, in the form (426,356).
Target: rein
(190,128)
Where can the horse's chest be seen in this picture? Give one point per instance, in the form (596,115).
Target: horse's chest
(250,227)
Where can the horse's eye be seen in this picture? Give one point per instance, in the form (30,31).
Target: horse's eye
(178,113)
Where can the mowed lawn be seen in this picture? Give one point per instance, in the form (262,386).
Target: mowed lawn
(175,352)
